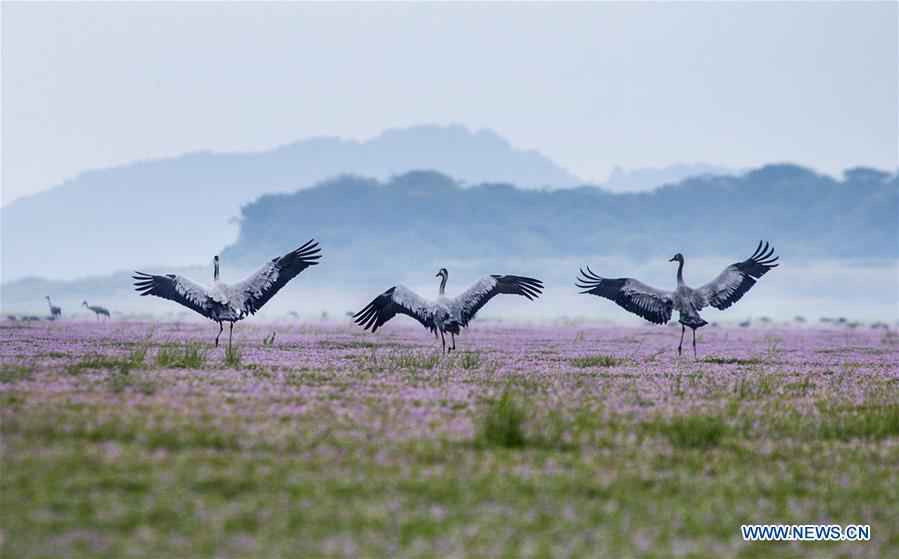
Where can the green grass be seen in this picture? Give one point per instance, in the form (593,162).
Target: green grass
(123,380)
(233,356)
(692,431)
(134,359)
(13,373)
(468,360)
(503,423)
(594,361)
(732,361)
(417,360)
(189,355)
(377,455)
(853,422)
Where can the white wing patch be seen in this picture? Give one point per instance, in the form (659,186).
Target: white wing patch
(256,285)
(719,289)
(646,297)
(414,303)
(468,299)
(193,292)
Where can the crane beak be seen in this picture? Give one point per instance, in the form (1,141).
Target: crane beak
(672,259)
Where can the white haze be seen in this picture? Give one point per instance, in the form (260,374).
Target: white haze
(858,290)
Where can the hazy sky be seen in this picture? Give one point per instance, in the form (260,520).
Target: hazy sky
(589,85)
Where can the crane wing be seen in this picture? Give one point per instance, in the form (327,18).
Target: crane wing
(257,289)
(635,296)
(736,279)
(467,304)
(175,288)
(397,299)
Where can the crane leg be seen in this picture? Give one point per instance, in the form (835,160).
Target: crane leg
(231,331)
(221,327)
(681,344)
(453,336)
(443,341)
(694,343)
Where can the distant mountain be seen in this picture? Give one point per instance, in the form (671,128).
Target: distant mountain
(836,238)
(649,178)
(369,228)
(179,211)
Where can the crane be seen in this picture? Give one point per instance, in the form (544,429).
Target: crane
(230,302)
(656,305)
(97,310)
(444,315)
(55,312)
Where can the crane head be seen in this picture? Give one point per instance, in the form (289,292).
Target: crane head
(677,258)
(442,273)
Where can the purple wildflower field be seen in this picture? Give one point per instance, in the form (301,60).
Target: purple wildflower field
(133,438)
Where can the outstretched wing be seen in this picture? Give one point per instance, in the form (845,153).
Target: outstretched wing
(397,299)
(736,279)
(175,288)
(635,296)
(467,305)
(257,289)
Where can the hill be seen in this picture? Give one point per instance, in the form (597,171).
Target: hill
(422,218)
(177,211)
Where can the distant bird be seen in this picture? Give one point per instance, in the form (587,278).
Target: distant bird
(224,302)
(55,312)
(745,324)
(443,314)
(655,305)
(97,310)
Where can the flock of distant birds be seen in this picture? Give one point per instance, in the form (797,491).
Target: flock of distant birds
(227,302)
(56,312)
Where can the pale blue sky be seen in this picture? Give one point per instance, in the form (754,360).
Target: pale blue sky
(589,85)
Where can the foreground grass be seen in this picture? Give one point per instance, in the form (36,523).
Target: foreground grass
(397,453)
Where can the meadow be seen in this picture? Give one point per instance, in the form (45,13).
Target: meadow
(141,439)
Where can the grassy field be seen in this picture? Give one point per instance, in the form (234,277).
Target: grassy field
(141,439)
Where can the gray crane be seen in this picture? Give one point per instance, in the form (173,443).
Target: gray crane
(55,312)
(655,305)
(97,310)
(444,315)
(230,302)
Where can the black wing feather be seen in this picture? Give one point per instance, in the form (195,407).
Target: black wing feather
(510,285)
(730,286)
(165,287)
(287,267)
(648,303)
(383,308)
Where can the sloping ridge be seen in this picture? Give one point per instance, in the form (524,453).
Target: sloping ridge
(170,211)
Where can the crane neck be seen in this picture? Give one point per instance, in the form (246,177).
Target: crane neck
(443,285)
(215,273)
(680,272)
